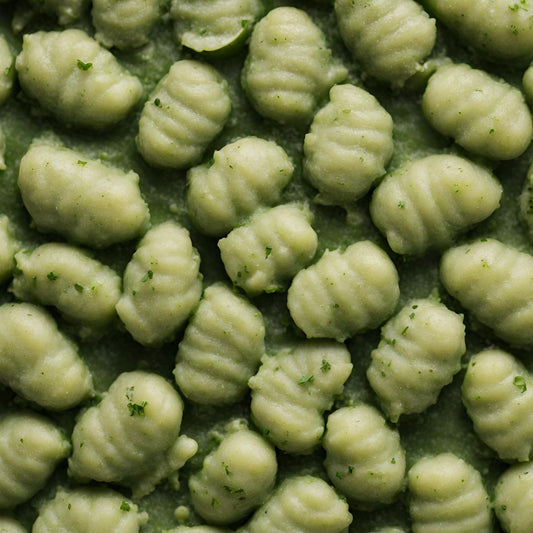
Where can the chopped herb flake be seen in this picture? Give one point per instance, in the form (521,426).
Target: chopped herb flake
(84,66)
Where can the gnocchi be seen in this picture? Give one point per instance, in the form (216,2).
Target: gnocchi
(428,202)
(185,112)
(221,348)
(162,284)
(345,292)
(7,70)
(82,199)
(8,248)
(67,11)
(413,360)
(79,82)
(10,525)
(244,176)
(293,388)
(289,68)
(132,436)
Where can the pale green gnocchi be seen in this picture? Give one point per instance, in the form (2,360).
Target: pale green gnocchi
(8,248)
(7,70)
(11,525)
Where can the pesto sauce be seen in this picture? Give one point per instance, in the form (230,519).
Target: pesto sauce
(443,427)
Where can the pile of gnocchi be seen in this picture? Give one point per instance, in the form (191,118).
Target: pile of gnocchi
(266,266)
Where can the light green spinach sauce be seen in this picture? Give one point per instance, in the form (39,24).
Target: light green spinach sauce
(443,427)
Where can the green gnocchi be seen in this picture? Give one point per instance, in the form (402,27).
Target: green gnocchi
(35,357)
(289,68)
(80,198)
(162,284)
(390,38)
(485,115)
(75,511)
(66,11)
(265,253)
(7,72)
(79,82)
(348,145)
(293,388)
(497,392)
(185,112)
(428,202)
(221,347)
(244,176)
(235,478)
(132,437)
(345,292)
(83,289)
(8,248)
(492,280)
(31,447)
(10,525)
(365,460)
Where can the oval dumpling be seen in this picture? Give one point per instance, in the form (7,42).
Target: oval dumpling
(235,478)
(390,38)
(446,494)
(348,145)
(497,392)
(345,292)
(11,525)
(8,248)
(492,280)
(83,289)
(221,348)
(186,111)
(289,68)
(293,388)
(214,26)
(244,176)
(526,202)
(124,23)
(66,11)
(132,436)
(365,460)
(31,447)
(414,360)
(428,202)
(82,199)
(74,511)
(38,362)
(301,503)
(512,496)
(162,284)
(75,79)
(265,253)
(7,70)
(498,29)
(485,115)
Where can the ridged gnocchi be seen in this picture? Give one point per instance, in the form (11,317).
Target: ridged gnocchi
(235,478)
(265,253)
(83,199)
(492,280)
(348,145)
(186,111)
(75,511)
(365,460)
(293,388)
(512,498)
(75,79)
(389,38)
(485,115)
(244,176)
(496,28)
(31,447)
(497,392)
(221,347)
(345,292)
(38,362)
(7,71)
(414,360)
(446,494)
(83,289)
(162,284)
(66,11)
(428,202)
(217,26)
(301,503)
(132,437)
(124,23)
(8,248)
(289,68)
